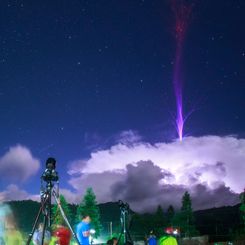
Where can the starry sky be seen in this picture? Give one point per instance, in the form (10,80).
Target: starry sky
(86,81)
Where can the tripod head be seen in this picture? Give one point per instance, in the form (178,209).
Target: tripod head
(50,175)
(123,206)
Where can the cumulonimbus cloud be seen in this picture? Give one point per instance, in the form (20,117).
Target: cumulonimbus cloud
(213,164)
(18,164)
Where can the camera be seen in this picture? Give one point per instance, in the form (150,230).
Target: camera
(123,205)
(50,174)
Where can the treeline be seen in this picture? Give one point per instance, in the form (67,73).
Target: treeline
(182,221)
(219,223)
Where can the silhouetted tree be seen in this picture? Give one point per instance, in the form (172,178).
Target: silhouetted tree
(185,218)
(170,215)
(159,220)
(242,207)
(241,229)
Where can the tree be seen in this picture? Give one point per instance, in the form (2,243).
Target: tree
(159,221)
(170,215)
(58,218)
(186,217)
(242,212)
(142,224)
(242,206)
(89,207)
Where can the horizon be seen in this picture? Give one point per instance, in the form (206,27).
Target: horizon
(149,211)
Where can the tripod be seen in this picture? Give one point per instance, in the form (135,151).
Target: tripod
(124,208)
(45,209)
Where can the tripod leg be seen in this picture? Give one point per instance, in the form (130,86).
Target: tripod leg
(120,236)
(36,220)
(64,217)
(49,211)
(122,219)
(44,228)
(34,226)
(128,236)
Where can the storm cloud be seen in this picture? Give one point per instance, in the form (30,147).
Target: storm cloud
(210,168)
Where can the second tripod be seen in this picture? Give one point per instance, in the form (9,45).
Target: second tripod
(124,208)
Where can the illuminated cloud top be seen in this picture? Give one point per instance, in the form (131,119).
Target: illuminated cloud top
(145,174)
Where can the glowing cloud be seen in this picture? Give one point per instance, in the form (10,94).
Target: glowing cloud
(210,163)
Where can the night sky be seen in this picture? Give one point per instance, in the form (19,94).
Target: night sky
(90,83)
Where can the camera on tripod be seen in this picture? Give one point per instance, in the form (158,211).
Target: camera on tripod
(46,193)
(124,208)
(50,174)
